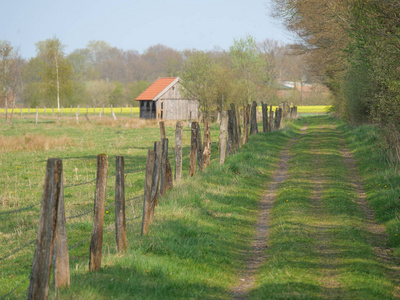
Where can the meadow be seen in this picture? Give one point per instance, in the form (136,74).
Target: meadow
(204,227)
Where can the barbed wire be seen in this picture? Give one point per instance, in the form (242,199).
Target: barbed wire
(80,215)
(20,209)
(128,220)
(79,184)
(131,199)
(80,242)
(14,289)
(18,249)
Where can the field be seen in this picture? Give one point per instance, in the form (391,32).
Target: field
(134,111)
(320,242)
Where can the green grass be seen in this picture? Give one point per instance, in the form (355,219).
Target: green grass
(319,248)
(203,228)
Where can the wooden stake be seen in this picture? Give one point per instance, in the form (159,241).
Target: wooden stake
(193,149)
(164,156)
(155,181)
(42,260)
(222,137)
(207,143)
(178,151)
(200,159)
(230,147)
(61,256)
(96,242)
(151,155)
(253,119)
(120,221)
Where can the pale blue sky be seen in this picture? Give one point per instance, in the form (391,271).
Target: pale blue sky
(136,24)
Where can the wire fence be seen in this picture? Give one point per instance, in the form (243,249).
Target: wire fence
(83,241)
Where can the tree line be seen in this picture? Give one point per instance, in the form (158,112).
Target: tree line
(101,74)
(353,46)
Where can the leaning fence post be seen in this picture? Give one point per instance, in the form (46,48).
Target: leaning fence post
(178,151)
(193,149)
(222,137)
(98,218)
(164,156)
(120,221)
(151,155)
(168,174)
(47,233)
(155,181)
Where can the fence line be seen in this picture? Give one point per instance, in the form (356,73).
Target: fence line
(20,209)
(234,143)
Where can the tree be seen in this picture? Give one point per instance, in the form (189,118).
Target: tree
(10,73)
(250,67)
(58,70)
(5,55)
(198,80)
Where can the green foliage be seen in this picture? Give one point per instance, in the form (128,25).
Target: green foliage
(117,95)
(249,66)
(134,89)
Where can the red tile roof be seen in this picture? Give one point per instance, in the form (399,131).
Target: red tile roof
(157,87)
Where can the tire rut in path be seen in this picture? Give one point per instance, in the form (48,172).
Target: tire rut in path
(333,289)
(256,255)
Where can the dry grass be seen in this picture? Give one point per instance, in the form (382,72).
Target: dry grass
(133,123)
(32,143)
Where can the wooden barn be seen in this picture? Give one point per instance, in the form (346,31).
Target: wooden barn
(163,100)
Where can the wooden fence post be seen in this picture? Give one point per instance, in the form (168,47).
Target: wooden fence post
(271,119)
(239,128)
(222,137)
(253,119)
(61,256)
(151,155)
(178,151)
(264,108)
(120,221)
(207,143)
(96,241)
(245,126)
(193,149)
(164,156)
(51,236)
(168,174)
(235,136)
(200,158)
(230,146)
(45,110)
(155,180)
(113,114)
(37,115)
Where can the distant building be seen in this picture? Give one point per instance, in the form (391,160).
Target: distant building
(163,100)
(287,89)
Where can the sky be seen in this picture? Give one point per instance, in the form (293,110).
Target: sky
(136,24)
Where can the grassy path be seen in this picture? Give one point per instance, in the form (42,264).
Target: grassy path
(323,241)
